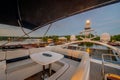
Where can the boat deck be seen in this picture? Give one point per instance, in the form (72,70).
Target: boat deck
(38,76)
(95,70)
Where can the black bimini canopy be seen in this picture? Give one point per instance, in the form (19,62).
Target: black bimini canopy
(34,13)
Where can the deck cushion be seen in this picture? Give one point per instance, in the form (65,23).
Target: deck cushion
(11,67)
(17,59)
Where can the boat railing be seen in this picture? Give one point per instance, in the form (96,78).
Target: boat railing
(108,59)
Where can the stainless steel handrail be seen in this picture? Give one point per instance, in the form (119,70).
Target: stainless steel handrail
(104,62)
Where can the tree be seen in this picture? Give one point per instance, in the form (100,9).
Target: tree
(4,38)
(78,37)
(55,38)
(97,38)
(115,38)
(45,38)
(68,37)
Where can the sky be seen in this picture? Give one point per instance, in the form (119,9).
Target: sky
(103,20)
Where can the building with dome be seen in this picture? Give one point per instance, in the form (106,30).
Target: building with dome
(72,37)
(105,37)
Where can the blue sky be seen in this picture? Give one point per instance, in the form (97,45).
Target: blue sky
(103,19)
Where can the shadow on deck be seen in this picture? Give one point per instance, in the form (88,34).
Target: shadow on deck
(96,71)
(38,75)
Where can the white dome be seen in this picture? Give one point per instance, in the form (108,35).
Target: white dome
(72,37)
(105,37)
